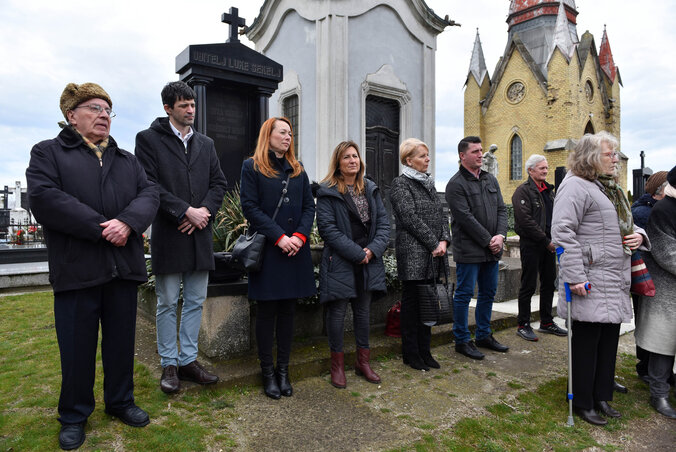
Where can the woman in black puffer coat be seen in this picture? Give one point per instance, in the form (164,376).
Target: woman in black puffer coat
(352,221)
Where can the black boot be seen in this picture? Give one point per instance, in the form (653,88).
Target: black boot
(416,362)
(283,380)
(270,386)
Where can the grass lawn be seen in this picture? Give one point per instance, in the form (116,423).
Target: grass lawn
(207,419)
(31,380)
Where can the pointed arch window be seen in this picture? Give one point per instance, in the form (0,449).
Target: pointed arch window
(516,158)
(589,128)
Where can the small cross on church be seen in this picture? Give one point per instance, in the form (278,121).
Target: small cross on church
(232,18)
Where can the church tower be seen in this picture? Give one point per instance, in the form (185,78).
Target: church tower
(548,89)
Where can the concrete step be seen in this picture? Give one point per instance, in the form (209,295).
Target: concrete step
(311,356)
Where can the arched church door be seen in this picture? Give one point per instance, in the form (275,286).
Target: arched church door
(382,143)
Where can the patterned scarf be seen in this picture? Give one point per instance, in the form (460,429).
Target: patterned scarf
(423,178)
(614,192)
(97,149)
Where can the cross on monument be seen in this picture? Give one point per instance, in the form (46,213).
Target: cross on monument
(232,18)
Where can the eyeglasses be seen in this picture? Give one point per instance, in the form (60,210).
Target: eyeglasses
(612,155)
(94,108)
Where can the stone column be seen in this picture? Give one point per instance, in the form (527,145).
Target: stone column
(199,84)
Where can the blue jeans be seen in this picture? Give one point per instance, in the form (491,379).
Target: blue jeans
(486,275)
(168,288)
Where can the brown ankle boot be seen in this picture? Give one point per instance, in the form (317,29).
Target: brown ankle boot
(338,370)
(362,366)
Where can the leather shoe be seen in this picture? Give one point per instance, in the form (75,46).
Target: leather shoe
(490,343)
(71,436)
(416,362)
(605,409)
(661,404)
(619,388)
(469,350)
(196,373)
(131,415)
(169,382)
(590,416)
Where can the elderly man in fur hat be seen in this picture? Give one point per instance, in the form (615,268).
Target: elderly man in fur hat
(94,202)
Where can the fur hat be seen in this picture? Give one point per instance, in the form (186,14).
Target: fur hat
(655,181)
(671,177)
(74,94)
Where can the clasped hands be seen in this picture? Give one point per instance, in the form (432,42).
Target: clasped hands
(368,257)
(194,218)
(115,231)
(496,243)
(290,245)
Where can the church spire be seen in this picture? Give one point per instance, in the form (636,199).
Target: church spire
(606,58)
(477,66)
(562,38)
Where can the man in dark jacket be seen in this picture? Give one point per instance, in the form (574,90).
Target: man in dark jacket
(186,169)
(533,202)
(478,229)
(94,202)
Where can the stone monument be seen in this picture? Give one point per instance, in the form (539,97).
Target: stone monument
(233,84)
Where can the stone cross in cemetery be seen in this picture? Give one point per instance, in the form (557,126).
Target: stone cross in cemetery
(232,18)
(233,84)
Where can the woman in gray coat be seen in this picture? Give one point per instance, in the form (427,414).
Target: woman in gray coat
(422,235)
(352,221)
(656,317)
(592,222)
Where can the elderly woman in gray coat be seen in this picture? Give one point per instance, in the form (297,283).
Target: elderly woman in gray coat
(592,222)
(422,235)
(353,223)
(656,319)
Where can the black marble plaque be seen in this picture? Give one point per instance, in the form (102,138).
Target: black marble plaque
(230,113)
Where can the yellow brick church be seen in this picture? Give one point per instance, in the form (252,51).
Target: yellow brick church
(548,89)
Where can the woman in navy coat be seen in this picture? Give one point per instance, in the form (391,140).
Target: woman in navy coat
(286,274)
(353,222)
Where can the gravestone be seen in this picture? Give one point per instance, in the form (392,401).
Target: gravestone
(233,84)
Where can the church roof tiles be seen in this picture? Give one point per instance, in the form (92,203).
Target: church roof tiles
(606,58)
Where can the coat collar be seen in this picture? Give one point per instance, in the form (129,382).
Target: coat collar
(469,176)
(285,165)
(531,183)
(70,139)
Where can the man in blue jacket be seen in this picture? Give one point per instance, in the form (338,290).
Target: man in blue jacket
(478,232)
(94,202)
(186,169)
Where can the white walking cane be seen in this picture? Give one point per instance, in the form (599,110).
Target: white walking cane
(570,423)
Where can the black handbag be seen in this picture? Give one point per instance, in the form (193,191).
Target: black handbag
(435,299)
(248,249)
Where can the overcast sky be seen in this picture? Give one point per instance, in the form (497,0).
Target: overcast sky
(129,48)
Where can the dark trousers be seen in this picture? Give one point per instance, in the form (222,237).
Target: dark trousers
(536,259)
(594,349)
(660,368)
(335,320)
(77,314)
(415,337)
(274,316)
